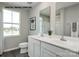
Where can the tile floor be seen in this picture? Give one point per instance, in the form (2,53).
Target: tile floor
(14,53)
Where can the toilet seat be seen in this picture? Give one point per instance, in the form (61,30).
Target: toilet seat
(23,47)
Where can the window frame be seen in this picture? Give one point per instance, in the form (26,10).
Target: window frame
(11,23)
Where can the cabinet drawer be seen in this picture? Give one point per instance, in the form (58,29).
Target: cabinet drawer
(58,50)
(46,53)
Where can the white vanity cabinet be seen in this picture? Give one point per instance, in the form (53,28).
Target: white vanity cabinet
(38,48)
(30,46)
(46,53)
(34,47)
(56,51)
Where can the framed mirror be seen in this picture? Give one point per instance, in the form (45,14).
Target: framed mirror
(67,19)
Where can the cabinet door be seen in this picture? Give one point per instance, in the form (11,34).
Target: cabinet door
(30,47)
(59,51)
(46,53)
(36,47)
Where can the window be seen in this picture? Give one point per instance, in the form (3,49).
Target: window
(11,23)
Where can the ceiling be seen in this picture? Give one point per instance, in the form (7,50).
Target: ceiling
(20,4)
(60,5)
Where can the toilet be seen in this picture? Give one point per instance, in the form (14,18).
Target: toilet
(23,47)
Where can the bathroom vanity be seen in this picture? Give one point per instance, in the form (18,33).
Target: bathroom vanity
(62,22)
(45,46)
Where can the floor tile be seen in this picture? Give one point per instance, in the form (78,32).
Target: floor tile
(14,53)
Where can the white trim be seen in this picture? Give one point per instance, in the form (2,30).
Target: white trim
(10,49)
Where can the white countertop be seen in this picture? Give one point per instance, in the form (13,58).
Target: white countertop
(71,44)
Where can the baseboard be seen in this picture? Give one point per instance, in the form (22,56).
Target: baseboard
(11,49)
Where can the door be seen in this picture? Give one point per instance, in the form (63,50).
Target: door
(36,47)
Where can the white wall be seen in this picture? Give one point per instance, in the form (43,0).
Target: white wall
(1,34)
(13,41)
(36,12)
